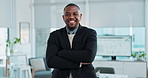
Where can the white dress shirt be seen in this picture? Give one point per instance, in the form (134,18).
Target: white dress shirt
(70,36)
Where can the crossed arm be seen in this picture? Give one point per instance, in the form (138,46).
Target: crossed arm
(71,59)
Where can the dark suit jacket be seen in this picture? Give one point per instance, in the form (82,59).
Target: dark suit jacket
(64,59)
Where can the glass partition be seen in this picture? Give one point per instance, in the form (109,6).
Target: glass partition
(137,33)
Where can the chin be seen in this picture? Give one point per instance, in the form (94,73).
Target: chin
(71,27)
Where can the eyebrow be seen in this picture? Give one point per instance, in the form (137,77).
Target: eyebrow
(69,12)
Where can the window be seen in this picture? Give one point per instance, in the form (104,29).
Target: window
(41,37)
(3,38)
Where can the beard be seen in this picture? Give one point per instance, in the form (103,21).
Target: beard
(71,28)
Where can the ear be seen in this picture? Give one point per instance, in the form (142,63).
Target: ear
(80,16)
(63,17)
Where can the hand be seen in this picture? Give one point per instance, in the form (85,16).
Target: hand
(86,63)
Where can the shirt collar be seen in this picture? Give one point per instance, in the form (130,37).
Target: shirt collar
(71,32)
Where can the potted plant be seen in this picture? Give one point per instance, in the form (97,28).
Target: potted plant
(11,44)
(140,55)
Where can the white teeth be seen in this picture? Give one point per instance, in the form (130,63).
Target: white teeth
(71,21)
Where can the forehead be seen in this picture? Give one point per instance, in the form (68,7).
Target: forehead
(71,9)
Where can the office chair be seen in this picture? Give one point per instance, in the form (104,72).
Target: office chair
(40,68)
(107,70)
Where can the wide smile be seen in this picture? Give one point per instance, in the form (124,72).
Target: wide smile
(71,21)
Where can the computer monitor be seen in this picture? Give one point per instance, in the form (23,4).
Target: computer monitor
(114,46)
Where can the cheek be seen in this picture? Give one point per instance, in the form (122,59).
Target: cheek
(79,18)
(64,18)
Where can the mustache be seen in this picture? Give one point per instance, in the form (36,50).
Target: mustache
(70,19)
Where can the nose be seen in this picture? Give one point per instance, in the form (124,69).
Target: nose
(71,16)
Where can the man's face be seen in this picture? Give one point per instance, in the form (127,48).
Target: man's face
(72,17)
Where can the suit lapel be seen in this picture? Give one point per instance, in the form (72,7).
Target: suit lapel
(77,35)
(65,37)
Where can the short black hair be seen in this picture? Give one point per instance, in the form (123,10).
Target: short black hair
(71,4)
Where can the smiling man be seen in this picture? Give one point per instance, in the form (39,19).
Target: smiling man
(71,50)
(72,16)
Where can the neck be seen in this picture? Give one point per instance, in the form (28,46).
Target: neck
(72,28)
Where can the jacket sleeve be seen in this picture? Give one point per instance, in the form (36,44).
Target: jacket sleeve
(53,60)
(87,54)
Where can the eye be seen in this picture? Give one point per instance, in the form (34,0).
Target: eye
(67,14)
(75,14)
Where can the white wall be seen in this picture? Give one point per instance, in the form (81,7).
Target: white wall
(22,12)
(117,13)
(102,13)
(12,12)
(43,13)
(48,14)
(5,13)
(146,29)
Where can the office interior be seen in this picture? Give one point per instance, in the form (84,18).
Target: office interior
(31,21)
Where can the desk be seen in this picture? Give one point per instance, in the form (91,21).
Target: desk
(113,76)
(134,69)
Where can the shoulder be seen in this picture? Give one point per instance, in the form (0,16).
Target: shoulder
(58,31)
(55,34)
(87,29)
